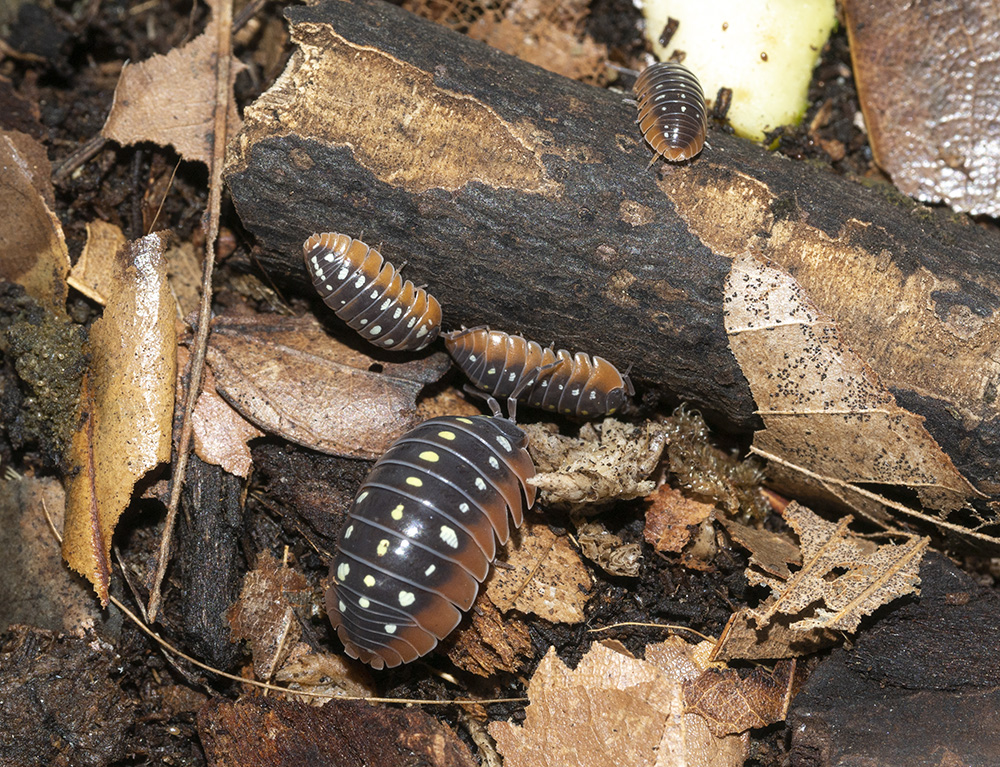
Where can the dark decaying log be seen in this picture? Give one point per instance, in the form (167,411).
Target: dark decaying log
(524,201)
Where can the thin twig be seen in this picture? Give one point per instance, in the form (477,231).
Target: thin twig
(224,53)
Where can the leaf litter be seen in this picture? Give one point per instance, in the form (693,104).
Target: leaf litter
(830,426)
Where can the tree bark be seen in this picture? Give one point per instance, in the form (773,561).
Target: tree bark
(525,202)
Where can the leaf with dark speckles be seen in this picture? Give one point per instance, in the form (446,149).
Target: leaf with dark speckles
(831,427)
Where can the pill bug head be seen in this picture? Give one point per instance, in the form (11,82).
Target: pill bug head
(672,116)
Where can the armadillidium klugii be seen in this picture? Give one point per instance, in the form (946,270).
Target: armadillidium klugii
(672,113)
(422,532)
(571,384)
(369,294)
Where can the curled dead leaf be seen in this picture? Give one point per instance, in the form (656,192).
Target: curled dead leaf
(608,550)
(607,462)
(93,272)
(34,248)
(126,407)
(289,377)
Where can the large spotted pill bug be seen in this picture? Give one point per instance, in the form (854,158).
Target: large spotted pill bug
(673,117)
(558,381)
(369,294)
(421,534)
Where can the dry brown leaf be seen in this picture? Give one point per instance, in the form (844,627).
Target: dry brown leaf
(672,518)
(616,711)
(849,575)
(264,614)
(771,552)
(742,640)
(220,433)
(490,643)
(170,100)
(318,672)
(929,84)
(93,272)
(126,406)
(543,575)
(33,248)
(289,377)
(731,703)
(605,463)
(829,422)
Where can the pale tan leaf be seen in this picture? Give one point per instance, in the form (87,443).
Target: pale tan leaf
(325,673)
(616,711)
(264,614)
(605,463)
(289,377)
(672,518)
(543,575)
(827,417)
(93,273)
(126,406)
(731,703)
(170,100)
(33,248)
(184,270)
(220,433)
(843,577)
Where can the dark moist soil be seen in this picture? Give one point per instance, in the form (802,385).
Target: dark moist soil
(61,94)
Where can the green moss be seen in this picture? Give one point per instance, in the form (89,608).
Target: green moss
(47,355)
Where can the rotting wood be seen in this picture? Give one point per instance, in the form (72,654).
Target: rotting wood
(525,202)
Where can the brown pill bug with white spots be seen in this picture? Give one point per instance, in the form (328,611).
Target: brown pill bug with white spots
(422,532)
(572,384)
(672,113)
(369,294)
